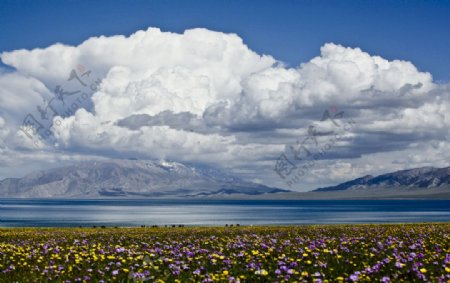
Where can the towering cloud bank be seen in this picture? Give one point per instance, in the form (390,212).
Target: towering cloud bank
(204,96)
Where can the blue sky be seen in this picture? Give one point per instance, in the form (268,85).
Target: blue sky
(291,31)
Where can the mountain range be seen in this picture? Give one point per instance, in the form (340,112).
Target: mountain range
(418,178)
(130,178)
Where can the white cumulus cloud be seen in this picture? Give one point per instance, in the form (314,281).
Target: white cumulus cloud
(205,96)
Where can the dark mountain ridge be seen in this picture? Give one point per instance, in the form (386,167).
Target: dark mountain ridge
(423,178)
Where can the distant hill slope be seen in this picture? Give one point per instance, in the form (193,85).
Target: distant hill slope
(419,178)
(129,178)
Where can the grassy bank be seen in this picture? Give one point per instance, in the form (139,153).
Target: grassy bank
(330,253)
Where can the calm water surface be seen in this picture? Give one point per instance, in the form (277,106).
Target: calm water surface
(17,213)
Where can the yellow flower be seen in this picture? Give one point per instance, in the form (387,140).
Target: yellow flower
(262,272)
(423,270)
(225,272)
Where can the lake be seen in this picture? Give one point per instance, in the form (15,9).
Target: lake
(66,213)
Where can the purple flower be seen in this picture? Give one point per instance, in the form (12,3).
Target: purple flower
(354,278)
(115,272)
(447,258)
(385,279)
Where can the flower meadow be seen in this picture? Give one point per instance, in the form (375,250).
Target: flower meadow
(328,253)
